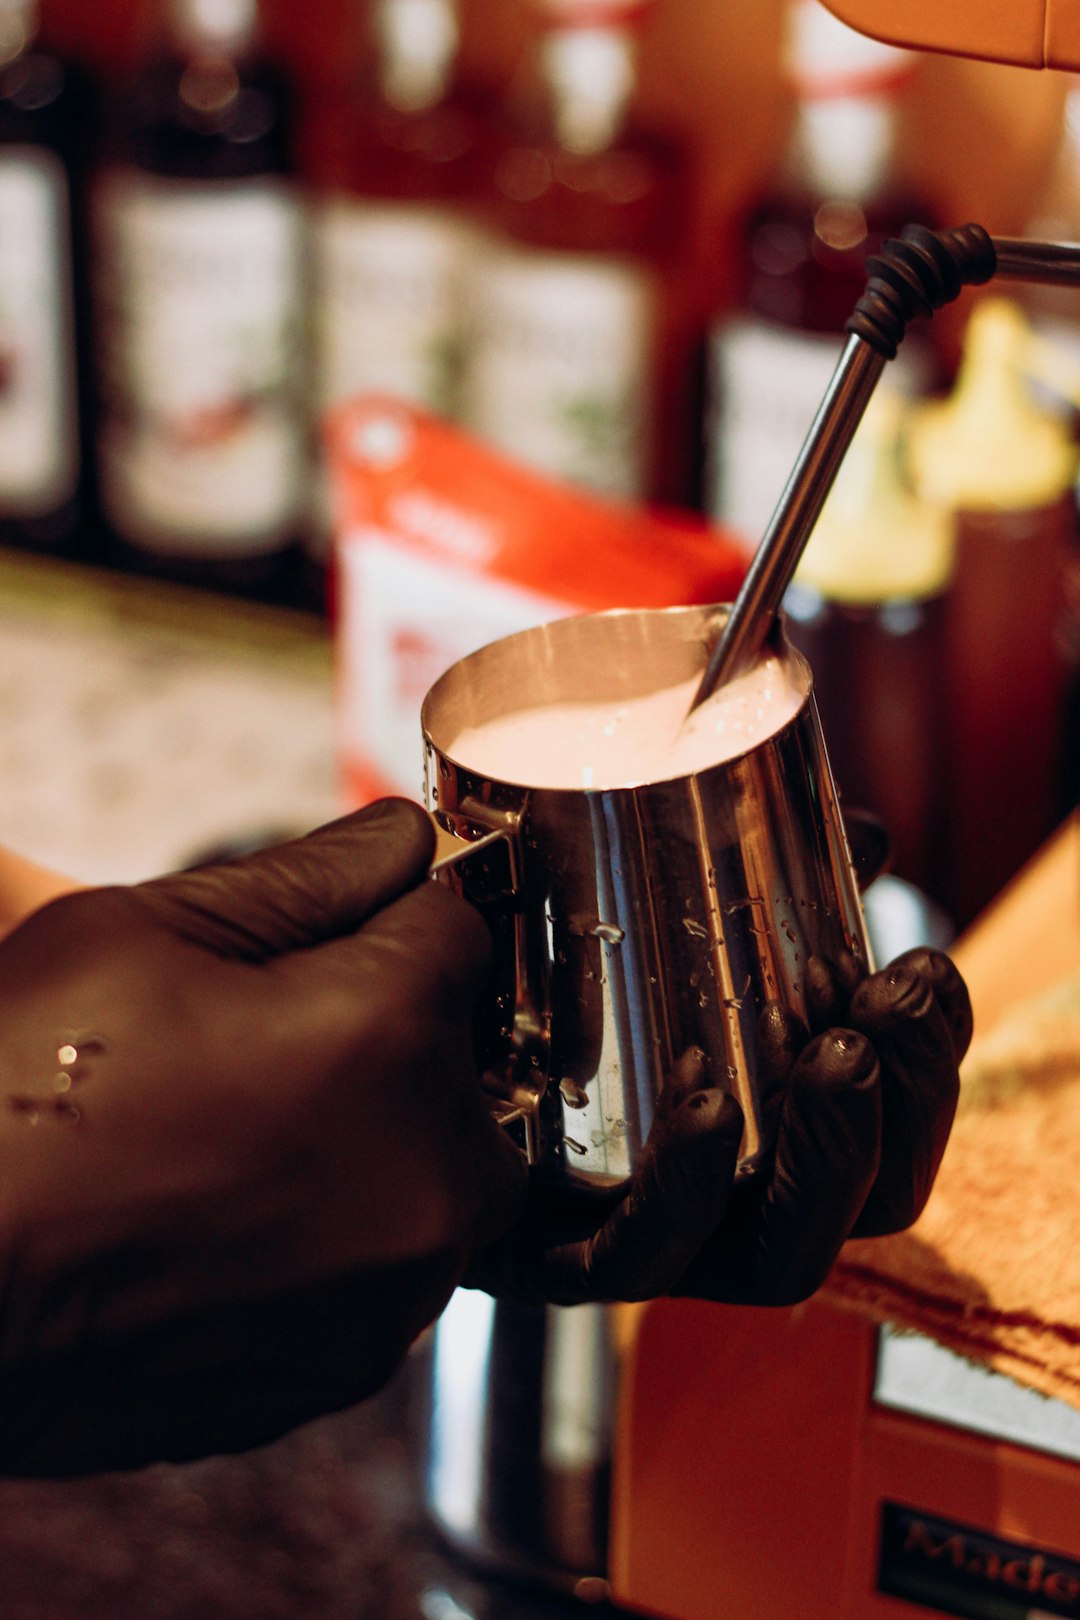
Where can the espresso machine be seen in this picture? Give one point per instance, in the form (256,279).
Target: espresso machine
(691,1461)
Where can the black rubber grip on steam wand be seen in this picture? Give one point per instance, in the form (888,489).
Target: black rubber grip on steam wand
(915,274)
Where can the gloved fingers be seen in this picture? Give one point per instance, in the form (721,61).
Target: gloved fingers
(899,1011)
(689,1073)
(869,843)
(828,985)
(501,1186)
(950,992)
(781,1037)
(421,959)
(676,1200)
(787,1226)
(397,998)
(299,893)
(555,1216)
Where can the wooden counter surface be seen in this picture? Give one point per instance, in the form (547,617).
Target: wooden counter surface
(1029,938)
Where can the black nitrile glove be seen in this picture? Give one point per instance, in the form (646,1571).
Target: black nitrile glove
(870,1095)
(244,1157)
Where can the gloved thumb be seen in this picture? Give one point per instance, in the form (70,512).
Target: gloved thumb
(301,892)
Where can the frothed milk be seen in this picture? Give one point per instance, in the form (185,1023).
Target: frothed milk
(641,739)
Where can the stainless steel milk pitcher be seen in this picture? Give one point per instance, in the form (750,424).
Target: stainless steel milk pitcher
(635,922)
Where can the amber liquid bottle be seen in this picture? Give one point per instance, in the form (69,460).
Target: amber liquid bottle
(868,609)
(202,443)
(45,126)
(578,361)
(804,244)
(1055,315)
(1005,466)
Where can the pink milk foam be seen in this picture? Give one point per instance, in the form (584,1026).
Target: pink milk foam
(641,739)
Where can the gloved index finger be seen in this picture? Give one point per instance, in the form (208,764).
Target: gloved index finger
(427,949)
(676,1200)
(899,1010)
(302,892)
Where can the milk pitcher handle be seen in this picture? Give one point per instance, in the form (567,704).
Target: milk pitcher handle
(455,852)
(480,856)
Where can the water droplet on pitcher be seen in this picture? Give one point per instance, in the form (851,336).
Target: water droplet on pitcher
(572,1094)
(696,929)
(575,1147)
(610,933)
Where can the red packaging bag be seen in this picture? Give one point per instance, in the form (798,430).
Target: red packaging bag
(442,545)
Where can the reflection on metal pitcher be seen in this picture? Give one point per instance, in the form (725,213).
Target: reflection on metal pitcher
(634,922)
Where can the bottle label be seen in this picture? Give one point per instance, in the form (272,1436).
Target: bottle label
(560,369)
(203,445)
(39,455)
(766,385)
(391,289)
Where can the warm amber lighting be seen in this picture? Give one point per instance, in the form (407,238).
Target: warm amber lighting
(840,225)
(209,83)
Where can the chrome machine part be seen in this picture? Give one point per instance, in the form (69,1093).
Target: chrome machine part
(517,1438)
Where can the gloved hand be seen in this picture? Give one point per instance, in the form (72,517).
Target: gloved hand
(871,1090)
(244,1158)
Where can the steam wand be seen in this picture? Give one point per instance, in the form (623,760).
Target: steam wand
(918,273)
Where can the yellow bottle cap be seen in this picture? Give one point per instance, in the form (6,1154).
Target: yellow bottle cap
(875,540)
(991,446)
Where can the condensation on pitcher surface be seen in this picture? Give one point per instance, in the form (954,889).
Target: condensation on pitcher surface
(649,738)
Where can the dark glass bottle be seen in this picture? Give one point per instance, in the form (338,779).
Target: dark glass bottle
(868,609)
(45,128)
(398,166)
(203,442)
(395,235)
(1004,465)
(836,195)
(579,360)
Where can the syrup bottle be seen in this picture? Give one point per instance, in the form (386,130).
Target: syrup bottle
(400,165)
(1004,465)
(394,232)
(835,198)
(1055,217)
(868,609)
(202,444)
(578,360)
(45,471)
